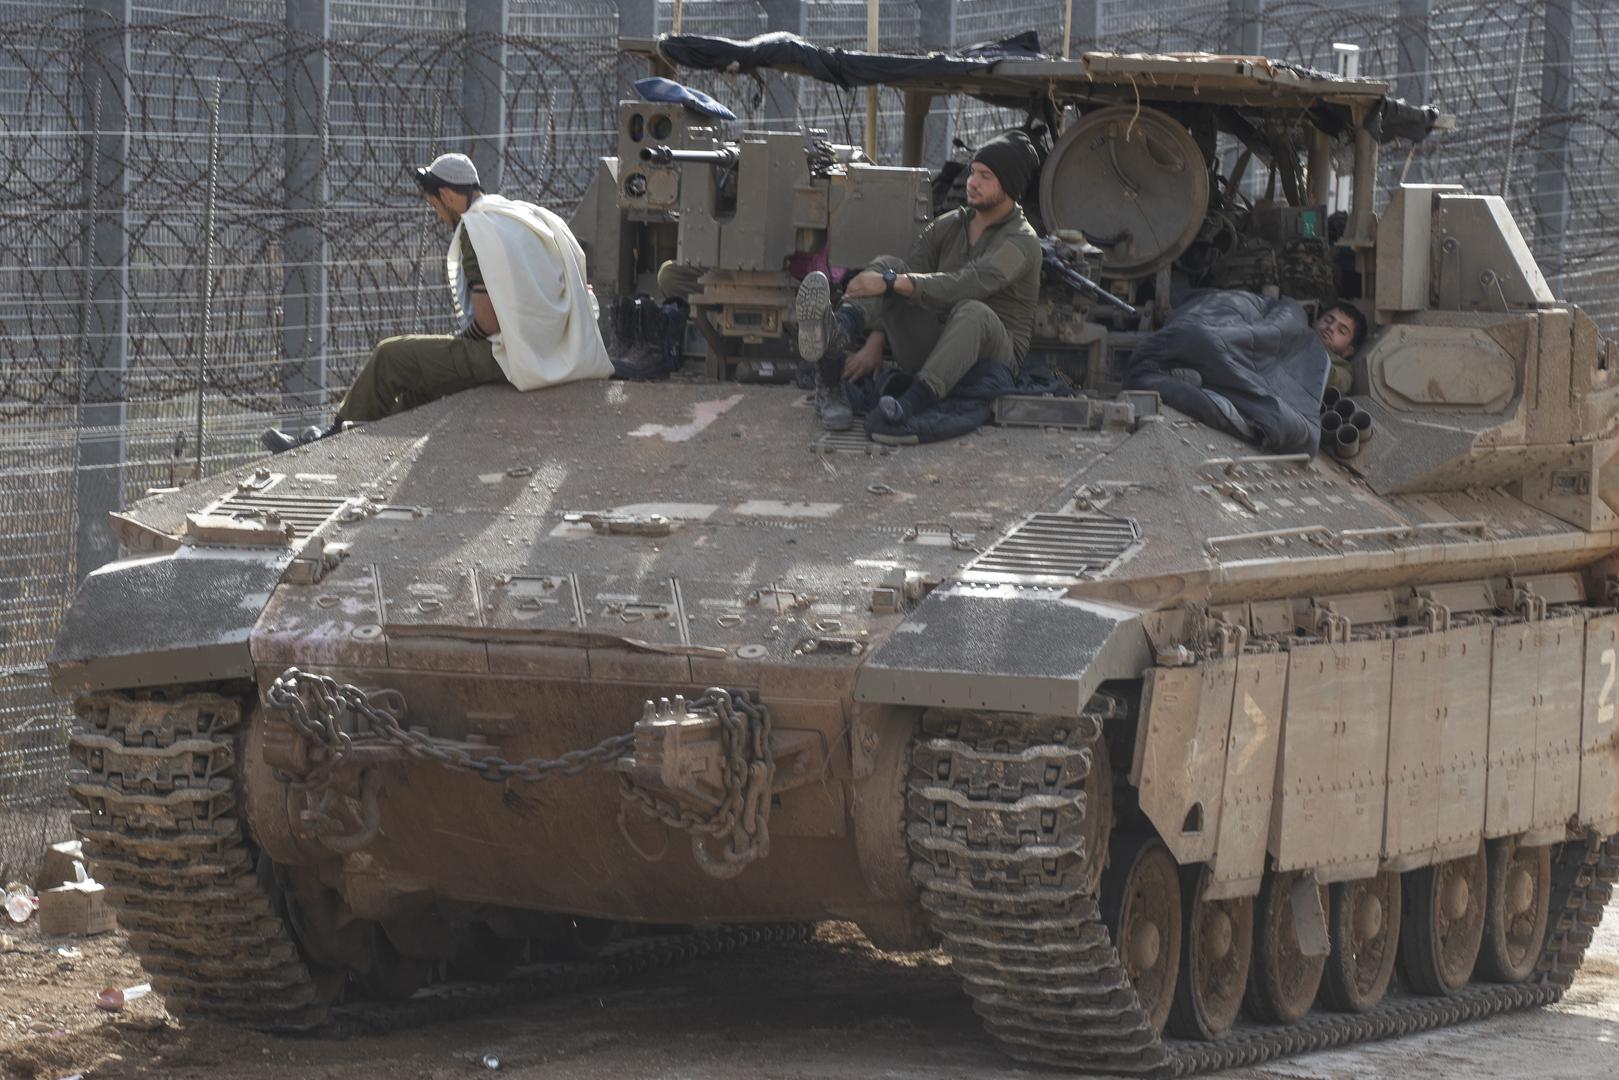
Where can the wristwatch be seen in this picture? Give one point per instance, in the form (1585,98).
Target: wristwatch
(889,277)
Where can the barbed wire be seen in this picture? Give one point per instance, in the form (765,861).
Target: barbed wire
(392,101)
(389,105)
(385,110)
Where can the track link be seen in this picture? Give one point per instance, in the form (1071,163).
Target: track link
(995,823)
(157,780)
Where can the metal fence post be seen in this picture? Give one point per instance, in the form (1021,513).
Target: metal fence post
(1247,26)
(637,19)
(1086,32)
(483,89)
(1411,30)
(304,282)
(1245,36)
(1416,61)
(1551,199)
(937,19)
(104,358)
(781,94)
(205,331)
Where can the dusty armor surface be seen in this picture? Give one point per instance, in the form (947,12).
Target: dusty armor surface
(1176,747)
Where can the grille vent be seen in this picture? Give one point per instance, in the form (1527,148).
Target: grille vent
(305,513)
(847,442)
(1055,549)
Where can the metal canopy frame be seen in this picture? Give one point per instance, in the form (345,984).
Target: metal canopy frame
(1208,78)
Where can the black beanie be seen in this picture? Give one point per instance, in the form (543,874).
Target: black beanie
(1012,158)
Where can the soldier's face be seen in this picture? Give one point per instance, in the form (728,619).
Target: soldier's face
(448,205)
(1337,333)
(984,191)
(440,209)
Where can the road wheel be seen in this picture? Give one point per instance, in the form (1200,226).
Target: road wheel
(1141,903)
(1364,924)
(1219,937)
(1282,981)
(1516,909)
(1444,924)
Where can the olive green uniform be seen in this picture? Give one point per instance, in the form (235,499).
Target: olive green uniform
(411,370)
(677,281)
(1340,376)
(972,301)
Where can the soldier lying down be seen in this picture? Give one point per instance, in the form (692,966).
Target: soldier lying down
(1251,365)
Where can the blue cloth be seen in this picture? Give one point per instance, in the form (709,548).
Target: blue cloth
(968,406)
(1257,356)
(661,89)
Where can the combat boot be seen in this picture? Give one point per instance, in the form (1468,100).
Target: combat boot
(672,346)
(824,332)
(279,442)
(833,405)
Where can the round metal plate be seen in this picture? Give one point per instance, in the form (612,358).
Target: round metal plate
(1133,181)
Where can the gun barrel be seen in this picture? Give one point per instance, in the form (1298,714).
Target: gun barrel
(668,155)
(1059,267)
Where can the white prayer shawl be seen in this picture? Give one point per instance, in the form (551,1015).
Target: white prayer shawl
(534,271)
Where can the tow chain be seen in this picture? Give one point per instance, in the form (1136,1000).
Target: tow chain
(320,708)
(342,718)
(742,818)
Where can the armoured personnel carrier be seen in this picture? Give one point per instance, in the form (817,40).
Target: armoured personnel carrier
(1181,750)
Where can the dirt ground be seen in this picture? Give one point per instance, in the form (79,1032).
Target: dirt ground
(834,1009)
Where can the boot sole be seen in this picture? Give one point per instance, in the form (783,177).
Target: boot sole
(810,307)
(277,442)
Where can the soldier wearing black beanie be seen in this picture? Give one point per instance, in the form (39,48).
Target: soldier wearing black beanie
(966,294)
(1012,158)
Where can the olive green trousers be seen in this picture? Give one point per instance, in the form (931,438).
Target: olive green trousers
(938,347)
(412,370)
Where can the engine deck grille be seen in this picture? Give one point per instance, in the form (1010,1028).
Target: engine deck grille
(1056,549)
(305,513)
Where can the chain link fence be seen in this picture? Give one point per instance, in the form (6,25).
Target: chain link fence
(206,216)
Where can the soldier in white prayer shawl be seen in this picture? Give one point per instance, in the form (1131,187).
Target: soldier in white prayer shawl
(517,285)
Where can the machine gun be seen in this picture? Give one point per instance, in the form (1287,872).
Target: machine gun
(1059,268)
(822,156)
(723,157)
(806,198)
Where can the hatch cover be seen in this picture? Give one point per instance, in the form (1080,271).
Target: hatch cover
(1055,549)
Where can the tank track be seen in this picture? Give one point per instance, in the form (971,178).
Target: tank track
(157,779)
(995,820)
